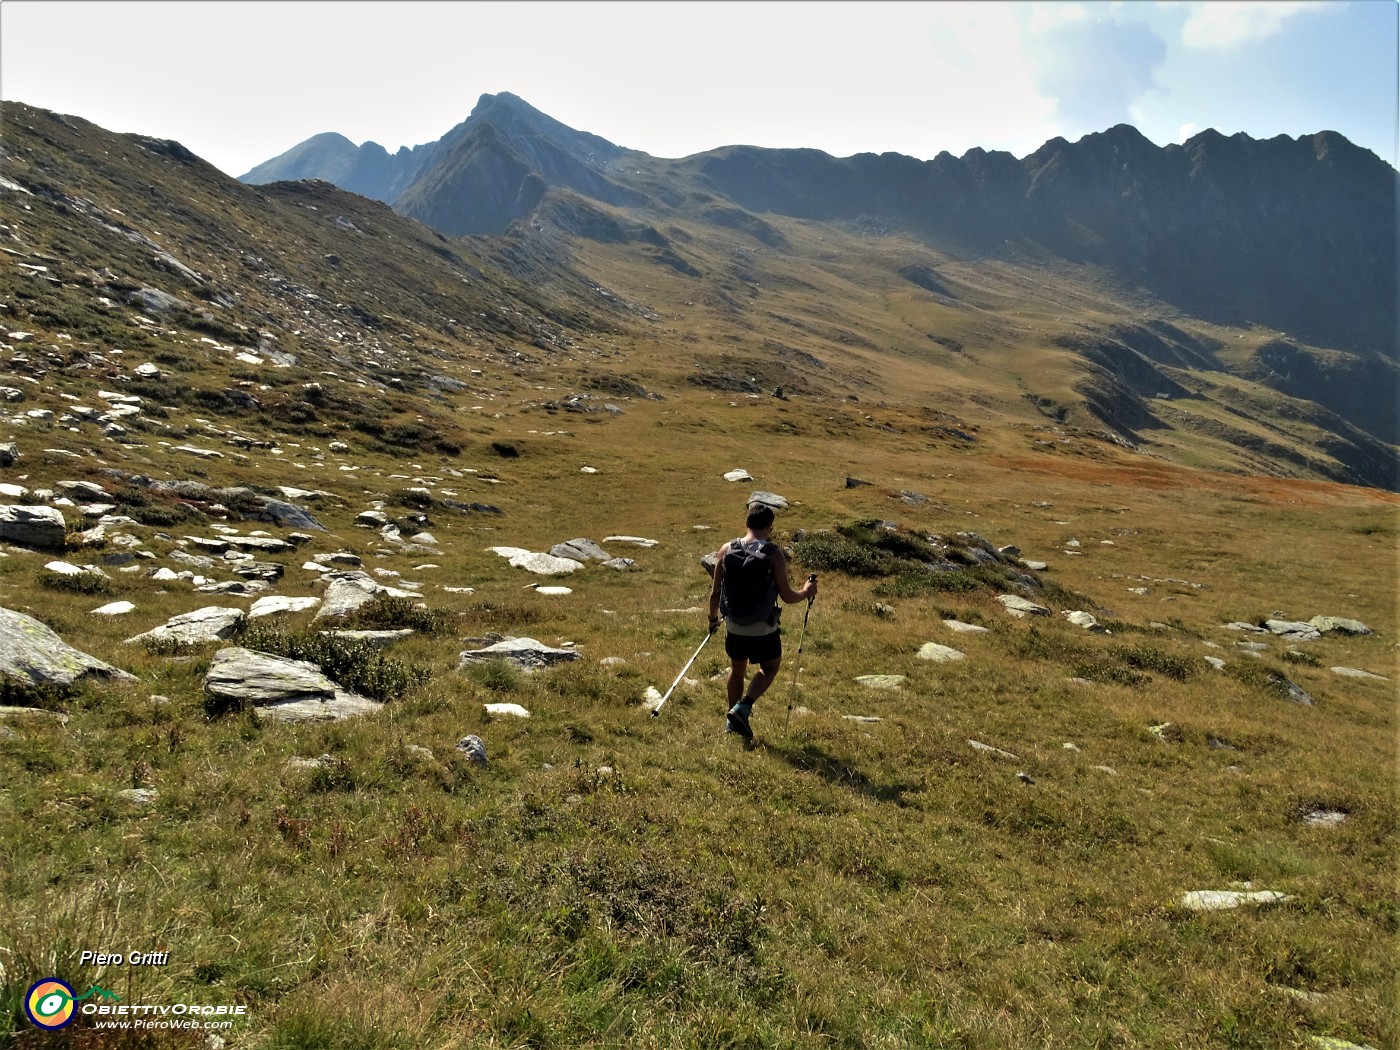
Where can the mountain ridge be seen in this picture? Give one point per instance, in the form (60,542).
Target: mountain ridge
(1307,216)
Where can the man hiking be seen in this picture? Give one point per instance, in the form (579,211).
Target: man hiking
(751,574)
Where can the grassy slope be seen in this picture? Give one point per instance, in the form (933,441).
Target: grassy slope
(845,883)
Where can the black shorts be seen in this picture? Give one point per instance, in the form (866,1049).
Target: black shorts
(756,648)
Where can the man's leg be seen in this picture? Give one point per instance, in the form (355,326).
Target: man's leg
(735,686)
(767,675)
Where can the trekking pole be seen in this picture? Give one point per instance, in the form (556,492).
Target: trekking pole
(657,709)
(798,669)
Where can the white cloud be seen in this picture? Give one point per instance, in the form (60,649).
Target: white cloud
(1222,24)
(1186,131)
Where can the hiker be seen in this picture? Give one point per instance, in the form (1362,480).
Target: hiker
(751,574)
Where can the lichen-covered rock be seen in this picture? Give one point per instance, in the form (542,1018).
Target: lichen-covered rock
(526,652)
(213,623)
(31,654)
(282,690)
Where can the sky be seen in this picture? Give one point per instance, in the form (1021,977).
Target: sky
(241,81)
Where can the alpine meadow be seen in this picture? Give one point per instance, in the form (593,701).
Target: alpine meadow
(352,517)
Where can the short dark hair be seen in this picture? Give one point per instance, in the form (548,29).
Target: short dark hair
(760,516)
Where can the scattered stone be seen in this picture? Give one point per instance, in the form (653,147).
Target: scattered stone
(338,558)
(1293,630)
(1083,619)
(9,452)
(1161,731)
(1294,692)
(977,745)
(581,550)
(474,749)
(1018,606)
(620,564)
(419,752)
(1248,628)
(1144,591)
(114,609)
(139,796)
(525,652)
(1216,662)
(1034,566)
(1324,818)
(1327,624)
(348,589)
(31,654)
(959,627)
(1107,769)
(1222,900)
(282,690)
(213,623)
(636,541)
(863,719)
(63,568)
(33,526)
(541,564)
(1356,672)
(202,453)
(881,681)
(372,519)
(1330,1042)
(554,591)
(1025,778)
(738,475)
(768,499)
(273,604)
(378,639)
(514,710)
(940,654)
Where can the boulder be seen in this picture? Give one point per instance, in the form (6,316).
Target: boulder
(277,603)
(378,639)
(474,749)
(636,541)
(541,564)
(1293,630)
(881,681)
(114,609)
(1221,900)
(289,516)
(1356,672)
(213,623)
(1327,624)
(525,652)
(32,654)
(738,474)
(1082,619)
(9,452)
(941,654)
(580,550)
(958,627)
(768,499)
(282,690)
(1018,606)
(514,710)
(32,526)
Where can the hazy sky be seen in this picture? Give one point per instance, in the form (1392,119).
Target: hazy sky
(240,82)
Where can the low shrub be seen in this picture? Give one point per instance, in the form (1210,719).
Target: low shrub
(357,666)
(384,612)
(76,583)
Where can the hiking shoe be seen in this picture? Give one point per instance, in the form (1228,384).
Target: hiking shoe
(737,721)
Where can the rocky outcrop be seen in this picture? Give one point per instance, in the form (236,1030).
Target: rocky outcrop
(32,526)
(31,654)
(282,690)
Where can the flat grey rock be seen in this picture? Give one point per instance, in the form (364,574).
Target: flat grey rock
(213,623)
(114,609)
(977,745)
(525,652)
(958,627)
(768,499)
(581,550)
(940,654)
(1018,606)
(1327,624)
(635,541)
(881,681)
(378,639)
(283,690)
(1356,672)
(1293,630)
(31,654)
(1082,619)
(540,564)
(738,474)
(1222,900)
(277,603)
(33,526)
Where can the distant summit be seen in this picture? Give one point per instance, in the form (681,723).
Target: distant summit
(1295,233)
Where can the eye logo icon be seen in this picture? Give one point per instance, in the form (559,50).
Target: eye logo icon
(49,1003)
